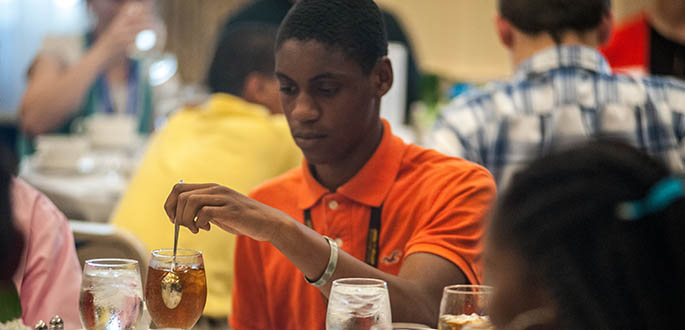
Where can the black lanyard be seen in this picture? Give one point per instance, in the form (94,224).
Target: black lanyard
(372,237)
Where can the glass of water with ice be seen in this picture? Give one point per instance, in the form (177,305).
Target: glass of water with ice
(359,304)
(111,294)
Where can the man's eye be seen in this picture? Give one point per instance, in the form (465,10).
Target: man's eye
(288,90)
(328,90)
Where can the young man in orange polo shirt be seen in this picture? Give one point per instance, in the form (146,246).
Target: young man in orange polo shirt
(363,204)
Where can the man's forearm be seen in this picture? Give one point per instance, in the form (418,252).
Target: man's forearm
(305,248)
(309,252)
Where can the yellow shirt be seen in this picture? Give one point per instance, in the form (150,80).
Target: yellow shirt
(226,141)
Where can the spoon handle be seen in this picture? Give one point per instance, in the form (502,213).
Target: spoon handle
(176,227)
(173,260)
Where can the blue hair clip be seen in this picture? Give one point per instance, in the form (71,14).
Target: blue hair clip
(659,197)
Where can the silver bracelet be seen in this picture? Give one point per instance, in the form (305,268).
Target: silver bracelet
(330,268)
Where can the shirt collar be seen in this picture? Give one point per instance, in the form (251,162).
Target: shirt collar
(370,185)
(222,103)
(563,56)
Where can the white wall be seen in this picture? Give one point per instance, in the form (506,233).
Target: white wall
(22,26)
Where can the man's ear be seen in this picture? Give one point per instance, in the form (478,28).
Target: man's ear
(505,31)
(251,87)
(383,76)
(262,89)
(604,31)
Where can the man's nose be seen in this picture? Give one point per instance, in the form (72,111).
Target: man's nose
(306,110)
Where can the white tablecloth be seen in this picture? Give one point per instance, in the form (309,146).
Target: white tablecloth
(91,195)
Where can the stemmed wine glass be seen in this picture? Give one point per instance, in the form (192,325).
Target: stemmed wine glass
(465,307)
(111,294)
(359,304)
(191,272)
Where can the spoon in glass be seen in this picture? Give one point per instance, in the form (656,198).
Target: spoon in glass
(172,289)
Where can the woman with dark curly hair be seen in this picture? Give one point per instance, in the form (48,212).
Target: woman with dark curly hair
(589,238)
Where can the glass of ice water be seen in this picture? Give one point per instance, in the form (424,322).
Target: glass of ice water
(111,294)
(359,304)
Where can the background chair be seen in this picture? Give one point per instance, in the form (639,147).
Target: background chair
(101,240)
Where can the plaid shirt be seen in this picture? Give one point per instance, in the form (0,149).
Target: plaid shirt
(560,96)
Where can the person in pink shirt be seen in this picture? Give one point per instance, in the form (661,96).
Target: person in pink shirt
(48,276)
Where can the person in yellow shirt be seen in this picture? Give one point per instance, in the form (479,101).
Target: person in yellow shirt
(238,138)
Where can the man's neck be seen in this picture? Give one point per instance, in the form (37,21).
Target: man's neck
(334,175)
(527,46)
(667,18)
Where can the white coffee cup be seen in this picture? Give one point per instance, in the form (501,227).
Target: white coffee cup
(116,131)
(60,152)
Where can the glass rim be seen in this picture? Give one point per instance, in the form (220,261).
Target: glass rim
(475,289)
(190,253)
(360,281)
(111,262)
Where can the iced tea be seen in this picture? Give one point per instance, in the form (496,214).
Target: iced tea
(464,307)
(194,295)
(464,322)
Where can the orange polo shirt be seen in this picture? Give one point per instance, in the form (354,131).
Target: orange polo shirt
(431,203)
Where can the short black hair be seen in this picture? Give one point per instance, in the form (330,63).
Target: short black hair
(560,215)
(11,240)
(354,26)
(554,16)
(247,48)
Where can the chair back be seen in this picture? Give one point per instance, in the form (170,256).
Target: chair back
(102,240)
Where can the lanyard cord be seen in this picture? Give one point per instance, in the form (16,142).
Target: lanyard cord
(131,96)
(372,237)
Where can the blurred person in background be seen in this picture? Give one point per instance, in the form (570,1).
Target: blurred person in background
(391,209)
(589,238)
(652,42)
(11,241)
(563,91)
(39,255)
(238,138)
(273,12)
(11,245)
(73,77)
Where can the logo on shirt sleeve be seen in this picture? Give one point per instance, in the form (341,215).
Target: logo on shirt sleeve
(394,257)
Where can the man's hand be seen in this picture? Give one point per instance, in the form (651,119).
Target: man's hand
(196,206)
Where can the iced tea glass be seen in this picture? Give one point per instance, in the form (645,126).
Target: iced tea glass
(464,306)
(191,271)
(358,304)
(111,294)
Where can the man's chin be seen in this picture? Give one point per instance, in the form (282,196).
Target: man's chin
(318,158)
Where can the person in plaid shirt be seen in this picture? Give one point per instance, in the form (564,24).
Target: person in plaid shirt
(563,92)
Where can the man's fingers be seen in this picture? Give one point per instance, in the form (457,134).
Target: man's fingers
(195,201)
(171,201)
(206,227)
(170,205)
(195,205)
(180,206)
(183,187)
(205,215)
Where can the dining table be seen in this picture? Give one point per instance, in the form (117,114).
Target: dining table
(89,191)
